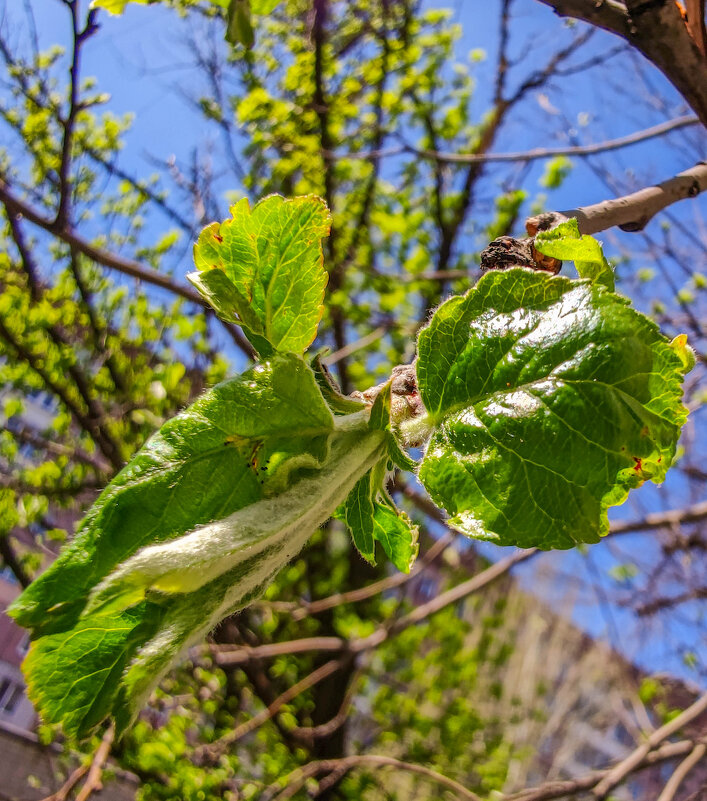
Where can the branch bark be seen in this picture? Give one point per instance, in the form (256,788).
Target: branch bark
(617,774)
(631,212)
(656,29)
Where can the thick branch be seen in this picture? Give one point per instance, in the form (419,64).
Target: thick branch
(631,212)
(658,31)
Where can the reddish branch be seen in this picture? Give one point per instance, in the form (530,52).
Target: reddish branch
(658,31)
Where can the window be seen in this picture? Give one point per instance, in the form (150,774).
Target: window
(23,645)
(10,695)
(11,699)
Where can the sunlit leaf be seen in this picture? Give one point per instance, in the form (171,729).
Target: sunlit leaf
(551,399)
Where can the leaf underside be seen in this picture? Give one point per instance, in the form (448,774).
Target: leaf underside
(551,399)
(244,441)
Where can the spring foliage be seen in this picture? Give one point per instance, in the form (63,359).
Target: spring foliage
(546,400)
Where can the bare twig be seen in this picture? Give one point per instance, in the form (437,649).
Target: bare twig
(74,778)
(631,212)
(298,777)
(79,37)
(229,655)
(562,789)
(552,152)
(12,560)
(678,777)
(353,347)
(361,594)
(655,29)
(618,773)
(669,518)
(213,750)
(95,772)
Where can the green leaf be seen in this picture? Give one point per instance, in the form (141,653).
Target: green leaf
(192,530)
(262,7)
(109,660)
(564,242)
(398,536)
(73,677)
(550,399)
(224,298)
(380,420)
(240,441)
(371,516)
(115,6)
(272,258)
(338,403)
(358,514)
(239,28)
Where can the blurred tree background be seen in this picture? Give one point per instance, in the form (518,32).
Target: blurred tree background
(469,667)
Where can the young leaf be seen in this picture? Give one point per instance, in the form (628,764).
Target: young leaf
(240,441)
(338,403)
(564,242)
(371,516)
(272,259)
(108,660)
(380,419)
(550,399)
(369,512)
(358,514)
(115,6)
(239,27)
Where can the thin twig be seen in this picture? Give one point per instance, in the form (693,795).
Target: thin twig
(95,773)
(298,777)
(564,788)
(220,746)
(674,782)
(617,774)
(553,152)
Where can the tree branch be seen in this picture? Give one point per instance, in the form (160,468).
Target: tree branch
(657,30)
(672,517)
(690,762)
(79,37)
(631,212)
(213,751)
(294,781)
(12,560)
(113,261)
(618,773)
(551,152)
(562,789)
